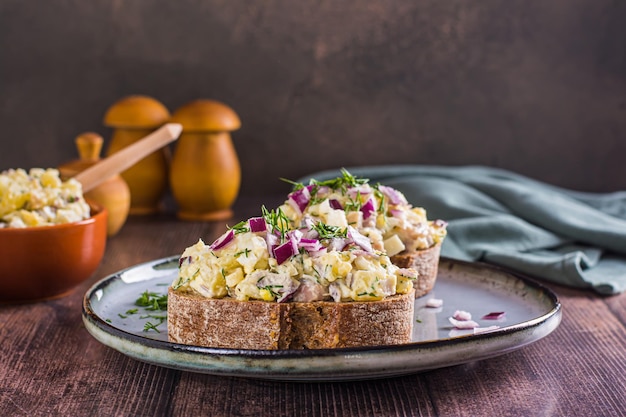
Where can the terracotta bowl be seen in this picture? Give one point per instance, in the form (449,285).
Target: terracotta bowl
(47,262)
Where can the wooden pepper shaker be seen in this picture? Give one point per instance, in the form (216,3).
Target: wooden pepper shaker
(132,118)
(113,194)
(205,174)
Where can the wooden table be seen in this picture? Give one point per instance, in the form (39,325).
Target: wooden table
(51,366)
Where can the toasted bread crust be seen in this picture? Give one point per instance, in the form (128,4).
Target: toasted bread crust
(229,323)
(425,262)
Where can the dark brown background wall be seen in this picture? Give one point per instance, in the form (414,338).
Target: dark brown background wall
(538,87)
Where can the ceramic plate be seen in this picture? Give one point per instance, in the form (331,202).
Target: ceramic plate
(531,312)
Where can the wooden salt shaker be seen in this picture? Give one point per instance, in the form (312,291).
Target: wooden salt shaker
(205,174)
(132,118)
(113,194)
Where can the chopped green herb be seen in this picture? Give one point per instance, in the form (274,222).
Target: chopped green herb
(277,221)
(353,205)
(381,197)
(150,326)
(161,319)
(270,289)
(182,282)
(371,294)
(345,181)
(245,252)
(241,227)
(152,301)
(296,185)
(326,231)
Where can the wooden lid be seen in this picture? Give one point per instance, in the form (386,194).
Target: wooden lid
(206,116)
(136,111)
(89,145)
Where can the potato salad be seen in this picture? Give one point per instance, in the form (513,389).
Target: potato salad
(39,198)
(265,259)
(379,212)
(330,240)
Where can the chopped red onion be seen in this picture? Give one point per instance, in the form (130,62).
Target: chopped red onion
(301,197)
(320,191)
(463,324)
(360,239)
(434,302)
(317,253)
(223,240)
(368,208)
(362,189)
(272,241)
(337,243)
(497,315)
(257,224)
(394,196)
(294,237)
(184,259)
(396,213)
(310,245)
(335,204)
(309,231)
(440,223)
(462,315)
(284,252)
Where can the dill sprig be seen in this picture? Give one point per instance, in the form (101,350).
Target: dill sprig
(326,231)
(152,301)
(343,182)
(241,227)
(277,221)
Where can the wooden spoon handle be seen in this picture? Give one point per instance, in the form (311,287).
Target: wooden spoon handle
(128,156)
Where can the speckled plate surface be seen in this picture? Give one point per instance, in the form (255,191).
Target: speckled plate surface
(531,313)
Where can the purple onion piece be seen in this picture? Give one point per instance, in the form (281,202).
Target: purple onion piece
(359,190)
(184,259)
(396,213)
(394,196)
(223,240)
(284,252)
(257,224)
(440,223)
(272,241)
(335,204)
(496,315)
(360,240)
(294,237)
(310,245)
(337,243)
(368,208)
(301,198)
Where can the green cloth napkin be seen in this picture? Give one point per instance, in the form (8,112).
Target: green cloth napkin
(496,216)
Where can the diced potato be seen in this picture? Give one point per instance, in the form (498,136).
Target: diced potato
(393,245)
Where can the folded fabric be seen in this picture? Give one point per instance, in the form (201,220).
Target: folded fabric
(496,216)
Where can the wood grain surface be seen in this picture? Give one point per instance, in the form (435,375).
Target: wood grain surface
(51,366)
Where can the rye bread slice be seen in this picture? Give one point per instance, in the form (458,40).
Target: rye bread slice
(425,262)
(229,323)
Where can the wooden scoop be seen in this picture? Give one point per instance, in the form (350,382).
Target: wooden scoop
(128,156)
